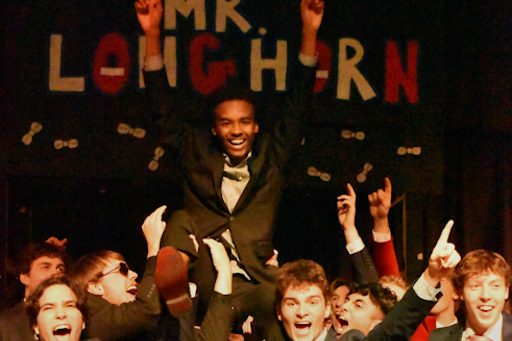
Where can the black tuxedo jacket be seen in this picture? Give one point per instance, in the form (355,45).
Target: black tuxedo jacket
(400,323)
(14,325)
(454,333)
(202,164)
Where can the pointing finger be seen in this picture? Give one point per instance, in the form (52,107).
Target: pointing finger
(443,239)
(387,185)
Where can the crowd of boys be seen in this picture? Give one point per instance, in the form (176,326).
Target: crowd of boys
(213,267)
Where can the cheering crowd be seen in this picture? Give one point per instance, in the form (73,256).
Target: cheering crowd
(211,271)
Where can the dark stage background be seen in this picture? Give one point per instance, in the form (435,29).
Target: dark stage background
(432,112)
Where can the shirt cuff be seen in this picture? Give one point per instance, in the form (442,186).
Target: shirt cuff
(381,237)
(153,63)
(307,60)
(356,246)
(425,291)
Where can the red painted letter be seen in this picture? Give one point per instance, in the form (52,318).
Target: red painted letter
(110,75)
(217,72)
(324,66)
(396,76)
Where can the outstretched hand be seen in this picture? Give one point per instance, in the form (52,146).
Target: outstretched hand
(221,262)
(347,208)
(57,242)
(149,14)
(312,12)
(380,201)
(444,257)
(153,229)
(219,254)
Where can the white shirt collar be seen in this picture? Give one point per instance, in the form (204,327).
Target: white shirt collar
(322,336)
(494,333)
(227,160)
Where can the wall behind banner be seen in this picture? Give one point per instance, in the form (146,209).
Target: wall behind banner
(73,111)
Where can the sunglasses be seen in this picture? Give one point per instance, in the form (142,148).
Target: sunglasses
(122,269)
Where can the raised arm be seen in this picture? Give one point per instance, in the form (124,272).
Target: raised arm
(149,14)
(347,214)
(153,229)
(443,260)
(312,12)
(218,321)
(383,250)
(359,255)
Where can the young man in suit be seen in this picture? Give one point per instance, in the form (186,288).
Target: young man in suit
(482,281)
(233,173)
(302,296)
(38,263)
(57,309)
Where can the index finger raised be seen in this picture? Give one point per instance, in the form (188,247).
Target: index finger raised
(445,234)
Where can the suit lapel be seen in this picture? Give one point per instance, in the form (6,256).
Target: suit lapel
(507,327)
(255,166)
(217,166)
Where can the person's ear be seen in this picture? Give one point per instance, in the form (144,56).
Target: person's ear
(214,132)
(83,325)
(506,294)
(256,128)
(36,331)
(278,313)
(24,279)
(95,288)
(327,312)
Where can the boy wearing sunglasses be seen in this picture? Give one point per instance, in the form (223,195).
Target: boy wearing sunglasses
(119,307)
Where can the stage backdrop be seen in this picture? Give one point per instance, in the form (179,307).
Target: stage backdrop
(73,108)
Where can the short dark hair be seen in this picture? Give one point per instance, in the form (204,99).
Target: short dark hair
(230,92)
(299,274)
(32,306)
(380,296)
(89,268)
(338,282)
(477,262)
(35,251)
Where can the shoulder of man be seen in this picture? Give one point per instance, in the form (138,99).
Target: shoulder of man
(353,335)
(447,333)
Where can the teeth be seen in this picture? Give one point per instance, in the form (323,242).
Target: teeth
(62,330)
(302,324)
(132,289)
(486,308)
(342,320)
(237,142)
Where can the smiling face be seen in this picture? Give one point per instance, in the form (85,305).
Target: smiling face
(113,286)
(42,268)
(235,127)
(303,311)
(58,317)
(337,300)
(360,313)
(484,296)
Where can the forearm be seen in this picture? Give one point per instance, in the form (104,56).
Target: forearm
(308,45)
(153,44)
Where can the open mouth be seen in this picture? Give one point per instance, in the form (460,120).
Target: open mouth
(485,308)
(132,290)
(62,330)
(303,325)
(237,142)
(342,320)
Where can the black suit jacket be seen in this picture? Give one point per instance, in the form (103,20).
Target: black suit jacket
(400,323)
(14,325)
(126,321)
(202,163)
(454,333)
